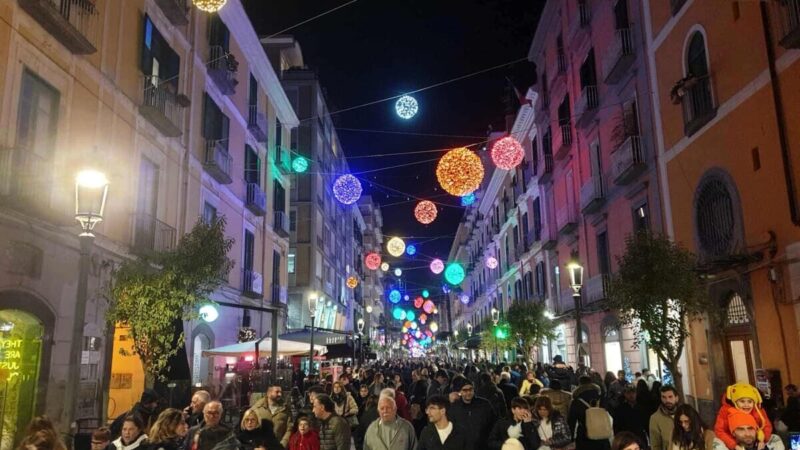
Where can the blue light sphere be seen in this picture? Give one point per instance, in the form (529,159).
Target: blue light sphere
(406,107)
(394,296)
(468,199)
(347,189)
(411,250)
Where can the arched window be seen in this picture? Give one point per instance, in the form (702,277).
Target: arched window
(612,344)
(695,90)
(736,313)
(696,62)
(714,217)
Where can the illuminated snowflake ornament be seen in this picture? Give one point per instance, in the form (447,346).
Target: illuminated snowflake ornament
(347,189)
(507,153)
(406,107)
(464,298)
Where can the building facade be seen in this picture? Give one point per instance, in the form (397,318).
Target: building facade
(178,109)
(373,292)
(724,78)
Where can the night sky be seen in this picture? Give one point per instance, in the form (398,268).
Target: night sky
(374,49)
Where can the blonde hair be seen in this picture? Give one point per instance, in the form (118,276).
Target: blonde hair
(250,412)
(165,426)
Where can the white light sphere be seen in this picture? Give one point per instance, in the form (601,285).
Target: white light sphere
(491,262)
(406,107)
(209,313)
(398,272)
(396,246)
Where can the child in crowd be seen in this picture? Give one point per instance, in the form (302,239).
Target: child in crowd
(746,398)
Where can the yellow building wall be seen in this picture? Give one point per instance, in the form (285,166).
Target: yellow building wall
(127,376)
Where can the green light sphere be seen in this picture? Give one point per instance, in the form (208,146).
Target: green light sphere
(300,164)
(454,274)
(425,293)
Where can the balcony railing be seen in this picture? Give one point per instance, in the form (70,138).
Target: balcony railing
(281,224)
(587,105)
(619,56)
(627,162)
(222,67)
(787,18)
(74,23)
(218,162)
(175,10)
(159,106)
(562,141)
(596,289)
(698,104)
(546,171)
(257,123)
(566,219)
(256,200)
(592,195)
(578,28)
(151,235)
(252,283)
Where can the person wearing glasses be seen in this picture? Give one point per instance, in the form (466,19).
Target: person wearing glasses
(211,433)
(474,414)
(256,433)
(441,433)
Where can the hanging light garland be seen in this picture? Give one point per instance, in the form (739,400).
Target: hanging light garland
(352,282)
(437,266)
(372,261)
(507,153)
(396,246)
(491,262)
(459,172)
(347,189)
(425,212)
(454,274)
(209,6)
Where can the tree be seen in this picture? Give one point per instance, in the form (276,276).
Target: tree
(530,326)
(495,337)
(152,295)
(657,292)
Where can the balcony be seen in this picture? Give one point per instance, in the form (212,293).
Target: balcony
(549,237)
(546,171)
(281,224)
(787,18)
(592,195)
(619,56)
(151,235)
(74,23)
(596,289)
(698,104)
(217,160)
(159,106)
(566,219)
(579,29)
(627,162)
(587,105)
(252,284)
(257,123)
(256,201)
(175,10)
(276,295)
(222,67)
(562,141)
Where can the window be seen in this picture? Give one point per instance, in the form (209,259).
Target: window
(641,218)
(545,92)
(621,15)
(714,217)
(37,117)
(216,125)
(696,63)
(630,118)
(209,213)
(588,72)
(147,200)
(537,220)
(278,140)
(529,290)
(603,260)
(249,251)
(252,166)
(292,220)
(159,61)
(218,34)
(695,94)
(280,197)
(541,280)
(564,111)
(276,274)
(252,98)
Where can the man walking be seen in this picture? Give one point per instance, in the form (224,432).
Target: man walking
(273,408)
(744,429)
(194,411)
(662,421)
(474,414)
(334,431)
(211,433)
(390,432)
(440,433)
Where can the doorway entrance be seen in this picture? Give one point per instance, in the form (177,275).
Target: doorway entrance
(740,359)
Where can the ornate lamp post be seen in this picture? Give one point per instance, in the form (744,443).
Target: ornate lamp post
(360,327)
(469,335)
(576,283)
(313,305)
(495,319)
(91,191)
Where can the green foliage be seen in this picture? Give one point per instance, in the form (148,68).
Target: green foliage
(152,294)
(530,325)
(490,339)
(657,291)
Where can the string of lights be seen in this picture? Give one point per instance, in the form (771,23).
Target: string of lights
(310,19)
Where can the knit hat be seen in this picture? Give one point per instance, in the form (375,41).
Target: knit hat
(738,419)
(743,390)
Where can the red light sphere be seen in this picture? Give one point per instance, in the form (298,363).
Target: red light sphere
(418,302)
(428,307)
(507,153)
(372,261)
(425,212)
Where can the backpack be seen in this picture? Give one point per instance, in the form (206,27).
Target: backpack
(598,422)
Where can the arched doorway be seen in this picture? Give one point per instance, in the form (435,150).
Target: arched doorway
(21,338)
(738,341)
(199,362)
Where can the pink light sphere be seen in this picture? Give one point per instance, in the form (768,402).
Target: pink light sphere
(437,266)
(507,153)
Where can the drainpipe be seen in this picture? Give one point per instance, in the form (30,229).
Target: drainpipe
(780,117)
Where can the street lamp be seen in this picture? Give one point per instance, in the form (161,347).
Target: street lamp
(313,305)
(495,319)
(91,191)
(576,283)
(360,327)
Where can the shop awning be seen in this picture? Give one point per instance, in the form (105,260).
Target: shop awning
(321,337)
(285,348)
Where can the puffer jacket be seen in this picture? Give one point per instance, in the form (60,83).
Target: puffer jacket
(334,433)
(281,420)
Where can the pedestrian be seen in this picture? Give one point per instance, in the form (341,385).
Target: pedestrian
(488,390)
(377,384)
(390,432)
(519,426)
(132,436)
(169,431)
(791,415)
(256,433)
(530,380)
(440,433)
(744,429)
(662,421)
(644,399)
(689,432)
(211,433)
(334,431)
(626,441)
(586,395)
(41,435)
(272,407)
(745,398)
(552,427)
(101,439)
(194,412)
(439,384)
(146,409)
(368,414)
(560,398)
(344,404)
(508,388)
(474,414)
(631,417)
(303,436)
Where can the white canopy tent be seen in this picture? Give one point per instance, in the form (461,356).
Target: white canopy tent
(285,348)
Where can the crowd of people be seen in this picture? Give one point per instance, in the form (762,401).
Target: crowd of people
(432,405)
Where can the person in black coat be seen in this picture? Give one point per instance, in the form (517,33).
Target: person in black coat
(520,426)
(474,414)
(631,417)
(488,390)
(255,432)
(590,394)
(439,426)
(510,391)
(146,410)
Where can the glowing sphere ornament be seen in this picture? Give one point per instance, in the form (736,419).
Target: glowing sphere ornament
(454,274)
(468,199)
(209,6)
(347,189)
(399,314)
(434,327)
(406,297)
(396,246)
(209,313)
(411,316)
(425,293)
(385,267)
(459,172)
(464,298)
(425,212)
(491,262)
(423,317)
(372,261)
(406,107)
(414,325)
(418,302)
(507,153)
(411,250)
(394,296)
(437,266)
(300,164)
(428,306)
(352,282)
(398,272)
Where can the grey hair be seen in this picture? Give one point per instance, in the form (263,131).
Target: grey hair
(387,392)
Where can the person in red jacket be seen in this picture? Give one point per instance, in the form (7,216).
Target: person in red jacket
(745,398)
(303,437)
